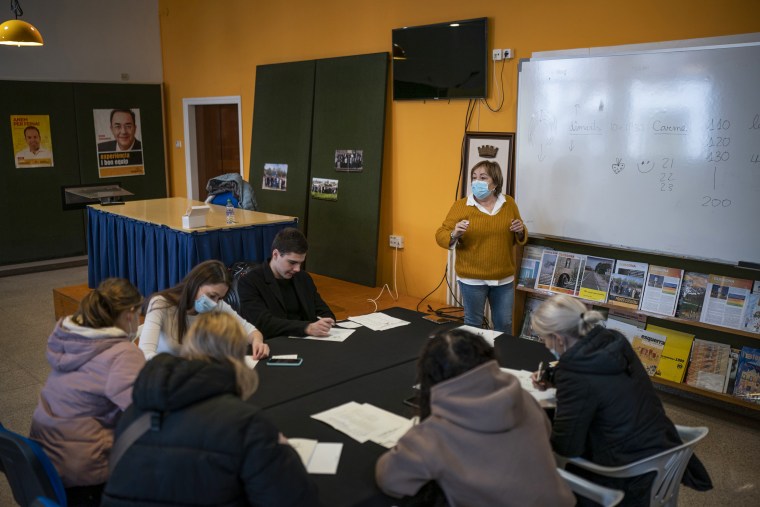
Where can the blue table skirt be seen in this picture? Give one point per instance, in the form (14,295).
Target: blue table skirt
(154,257)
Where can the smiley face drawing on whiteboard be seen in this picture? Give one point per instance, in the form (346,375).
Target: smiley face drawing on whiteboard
(645,166)
(618,166)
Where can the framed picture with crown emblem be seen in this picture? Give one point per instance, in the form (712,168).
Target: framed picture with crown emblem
(492,146)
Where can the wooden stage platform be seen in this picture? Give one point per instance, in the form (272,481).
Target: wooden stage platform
(345,298)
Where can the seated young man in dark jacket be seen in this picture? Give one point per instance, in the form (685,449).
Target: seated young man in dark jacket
(279,298)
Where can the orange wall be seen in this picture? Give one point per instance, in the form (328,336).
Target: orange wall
(213,48)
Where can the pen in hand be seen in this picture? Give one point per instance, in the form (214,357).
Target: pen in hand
(537,378)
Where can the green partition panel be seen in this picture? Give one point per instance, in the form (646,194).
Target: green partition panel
(33,225)
(146,98)
(349,114)
(282,117)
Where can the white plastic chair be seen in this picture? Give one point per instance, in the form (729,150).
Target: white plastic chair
(606,497)
(669,465)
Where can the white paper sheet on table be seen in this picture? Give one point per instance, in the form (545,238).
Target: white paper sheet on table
(547,396)
(488,335)
(378,321)
(364,422)
(318,457)
(336,335)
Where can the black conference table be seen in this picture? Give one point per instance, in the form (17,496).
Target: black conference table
(376,367)
(326,364)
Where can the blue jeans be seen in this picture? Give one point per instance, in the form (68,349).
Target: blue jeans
(500,297)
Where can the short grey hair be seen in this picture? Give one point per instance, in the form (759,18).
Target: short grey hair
(565,316)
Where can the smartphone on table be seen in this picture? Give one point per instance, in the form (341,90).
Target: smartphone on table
(284,361)
(437,319)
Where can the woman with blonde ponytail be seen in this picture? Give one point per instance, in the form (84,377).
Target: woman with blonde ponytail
(94,365)
(209,444)
(607,409)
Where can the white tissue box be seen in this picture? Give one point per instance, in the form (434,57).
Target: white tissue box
(195,217)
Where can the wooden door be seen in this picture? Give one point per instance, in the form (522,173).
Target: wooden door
(217,141)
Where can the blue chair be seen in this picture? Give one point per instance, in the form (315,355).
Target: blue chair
(32,477)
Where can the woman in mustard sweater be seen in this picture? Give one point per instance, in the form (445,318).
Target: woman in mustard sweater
(484,228)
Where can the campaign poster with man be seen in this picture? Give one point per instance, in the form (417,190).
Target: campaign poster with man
(32,143)
(119,142)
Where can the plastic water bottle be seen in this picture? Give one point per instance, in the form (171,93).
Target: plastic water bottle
(230,212)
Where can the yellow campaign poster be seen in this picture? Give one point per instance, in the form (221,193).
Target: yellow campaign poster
(32,143)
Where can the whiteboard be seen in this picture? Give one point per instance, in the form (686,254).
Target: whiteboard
(656,151)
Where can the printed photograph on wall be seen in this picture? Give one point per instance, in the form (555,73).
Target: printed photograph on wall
(119,142)
(323,188)
(32,143)
(496,147)
(275,177)
(349,160)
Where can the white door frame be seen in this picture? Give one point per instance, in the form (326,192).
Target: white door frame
(191,150)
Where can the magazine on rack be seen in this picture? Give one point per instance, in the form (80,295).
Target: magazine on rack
(733,363)
(752,313)
(546,270)
(531,261)
(595,282)
(675,354)
(648,346)
(627,326)
(531,303)
(560,272)
(567,273)
(627,284)
(661,290)
(692,296)
(708,365)
(747,385)
(725,301)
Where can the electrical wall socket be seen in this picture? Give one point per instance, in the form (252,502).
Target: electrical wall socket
(507,54)
(497,55)
(396,241)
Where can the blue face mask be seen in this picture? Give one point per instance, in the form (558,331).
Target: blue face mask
(203,304)
(480,189)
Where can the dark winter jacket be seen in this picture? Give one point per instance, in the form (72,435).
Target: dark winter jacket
(608,411)
(262,303)
(212,448)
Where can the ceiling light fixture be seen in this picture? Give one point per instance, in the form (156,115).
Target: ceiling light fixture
(15,32)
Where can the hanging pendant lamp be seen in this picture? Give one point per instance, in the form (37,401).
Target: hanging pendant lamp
(15,32)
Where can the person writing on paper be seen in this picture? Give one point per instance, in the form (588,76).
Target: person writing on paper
(94,365)
(170,313)
(607,409)
(481,437)
(209,446)
(34,154)
(279,297)
(484,228)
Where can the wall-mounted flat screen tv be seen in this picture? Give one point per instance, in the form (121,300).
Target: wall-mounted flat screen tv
(441,61)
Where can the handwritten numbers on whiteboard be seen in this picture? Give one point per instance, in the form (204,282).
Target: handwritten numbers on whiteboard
(713,202)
